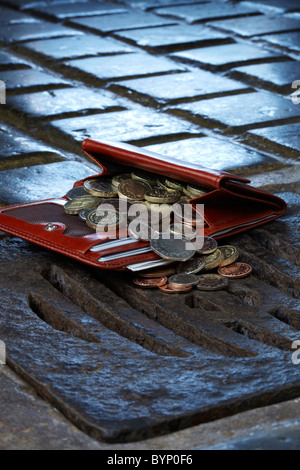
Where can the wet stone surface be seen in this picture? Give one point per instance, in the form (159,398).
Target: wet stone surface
(174,37)
(136,64)
(17,149)
(192,13)
(257,26)
(177,87)
(129,20)
(288,41)
(214,153)
(89,353)
(36,30)
(31,80)
(227,55)
(75,46)
(127,126)
(259,109)
(70,10)
(277,77)
(283,139)
(40,182)
(47,104)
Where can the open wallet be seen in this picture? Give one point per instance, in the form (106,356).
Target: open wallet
(230,204)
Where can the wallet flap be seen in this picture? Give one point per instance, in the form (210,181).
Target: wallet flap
(109,155)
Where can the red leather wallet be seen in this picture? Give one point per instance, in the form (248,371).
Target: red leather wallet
(231,206)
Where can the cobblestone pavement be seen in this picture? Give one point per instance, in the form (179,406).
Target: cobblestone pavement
(216,79)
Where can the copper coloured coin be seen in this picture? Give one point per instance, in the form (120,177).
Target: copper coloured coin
(170,290)
(235,270)
(151,282)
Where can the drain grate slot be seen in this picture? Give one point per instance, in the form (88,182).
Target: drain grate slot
(259,334)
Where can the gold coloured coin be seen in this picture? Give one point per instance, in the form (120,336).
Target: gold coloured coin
(174,184)
(230,254)
(117,179)
(213,260)
(133,189)
(162,196)
(100,187)
(103,220)
(196,190)
(74,206)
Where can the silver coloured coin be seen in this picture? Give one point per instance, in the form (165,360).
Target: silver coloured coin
(192,266)
(183,279)
(172,248)
(212,281)
(76,192)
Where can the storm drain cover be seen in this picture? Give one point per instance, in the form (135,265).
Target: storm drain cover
(125,363)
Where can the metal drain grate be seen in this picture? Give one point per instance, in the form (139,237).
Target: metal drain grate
(124,363)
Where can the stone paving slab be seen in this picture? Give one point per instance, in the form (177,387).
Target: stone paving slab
(226,56)
(194,84)
(135,125)
(172,38)
(73,47)
(71,10)
(31,80)
(287,41)
(282,139)
(247,27)
(11,62)
(275,5)
(217,153)
(41,29)
(50,103)
(18,149)
(8,15)
(277,77)
(121,21)
(261,109)
(116,67)
(192,13)
(39,182)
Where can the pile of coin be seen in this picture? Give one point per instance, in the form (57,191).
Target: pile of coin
(157,193)
(206,267)
(210,269)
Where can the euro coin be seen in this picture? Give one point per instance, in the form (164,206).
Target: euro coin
(100,187)
(212,281)
(83,214)
(230,254)
(74,206)
(133,189)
